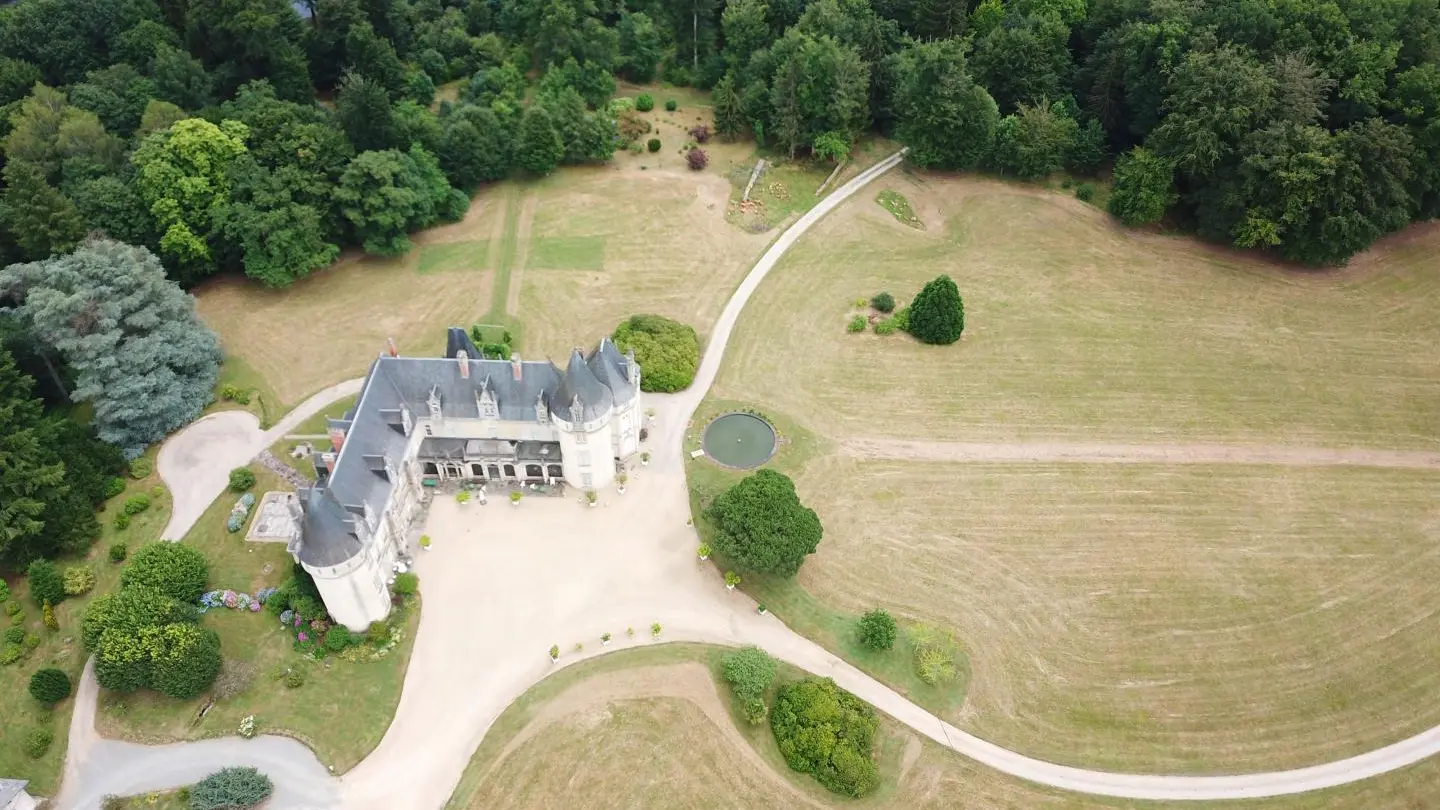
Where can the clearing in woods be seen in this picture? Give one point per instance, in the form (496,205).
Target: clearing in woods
(577,739)
(1225,614)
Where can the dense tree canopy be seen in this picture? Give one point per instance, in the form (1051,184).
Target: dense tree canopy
(760,525)
(132,338)
(668,351)
(1304,129)
(827,732)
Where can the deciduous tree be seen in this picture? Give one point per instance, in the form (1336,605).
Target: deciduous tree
(1144,187)
(760,525)
(946,119)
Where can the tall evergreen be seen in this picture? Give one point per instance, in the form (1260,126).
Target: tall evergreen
(937,315)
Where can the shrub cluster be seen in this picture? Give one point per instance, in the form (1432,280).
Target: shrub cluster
(700,132)
(37,742)
(696,159)
(135,504)
(241,479)
(407,584)
(827,732)
(883,302)
(118,551)
(749,671)
(671,105)
(122,521)
(231,788)
(934,654)
(140,468)
(668,351)
(876,630)
(176,570)
(644,102)
(78,579)
(857,324)
(46,584)
(653,145)
(49,686)
(114,487)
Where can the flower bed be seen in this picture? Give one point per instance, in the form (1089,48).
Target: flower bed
(234,600)
(240,512)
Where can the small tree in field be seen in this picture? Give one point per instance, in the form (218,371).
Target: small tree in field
(761,526)
(46,583)
(749,672)
(876,630)
(937,315)
(696,159)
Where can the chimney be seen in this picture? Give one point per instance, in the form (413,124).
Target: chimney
(390,347)
(517,369)
(464,364)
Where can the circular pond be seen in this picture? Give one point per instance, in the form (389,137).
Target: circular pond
(740,440)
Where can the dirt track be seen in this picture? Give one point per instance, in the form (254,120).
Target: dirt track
(1105,453)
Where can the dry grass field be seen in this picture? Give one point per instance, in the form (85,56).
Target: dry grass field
(650,730)
(1158,618)
(328,327)
(1078,329)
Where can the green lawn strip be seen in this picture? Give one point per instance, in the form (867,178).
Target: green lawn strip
(446,257)
(786,598)
(890,741)
(236,373)
(509,246)
(63,649)
(567,253)
(340,712)
(897,205)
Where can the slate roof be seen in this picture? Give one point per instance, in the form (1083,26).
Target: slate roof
(375,426)
(580,386)
(9,789)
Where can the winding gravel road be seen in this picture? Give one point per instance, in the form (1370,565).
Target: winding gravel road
(195,464)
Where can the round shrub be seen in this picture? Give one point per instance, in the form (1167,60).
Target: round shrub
(118,552)
(135,504)
(10,654)
(78,579)
(884,302)
(937,315)
(13,635)
(175,569)
(46,584)
(4,591)
(696,159)
(13,608)
(668,351)
(378,633)
(122,521)
(37,742)
(1085,192)
(671,105)
(128,612)
(407,584)
(114,487)
(241,479)
(140,468)
(338,638)
(827,732)
(653,145)
(294,679)
(50,685)
(30,642)
(644,103)
(184,659)
(231,788)
(876,630)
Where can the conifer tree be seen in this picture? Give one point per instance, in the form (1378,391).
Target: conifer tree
(938,314)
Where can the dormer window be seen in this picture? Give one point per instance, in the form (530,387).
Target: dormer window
(489,408)
(434,402)
(406,420)
(542,413)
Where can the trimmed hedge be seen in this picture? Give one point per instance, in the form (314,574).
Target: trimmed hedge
(668,351)
(175,569)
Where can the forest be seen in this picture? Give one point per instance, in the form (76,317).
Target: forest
(151,144)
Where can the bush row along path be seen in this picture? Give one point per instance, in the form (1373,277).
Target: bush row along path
(449,702)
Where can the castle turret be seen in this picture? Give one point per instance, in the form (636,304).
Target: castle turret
(581,409)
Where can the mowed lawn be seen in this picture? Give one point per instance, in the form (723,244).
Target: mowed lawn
(1077,329)
(330,326)
(1154,618)
(598,245)
(641,729)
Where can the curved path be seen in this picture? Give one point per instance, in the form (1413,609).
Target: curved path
(462,676)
